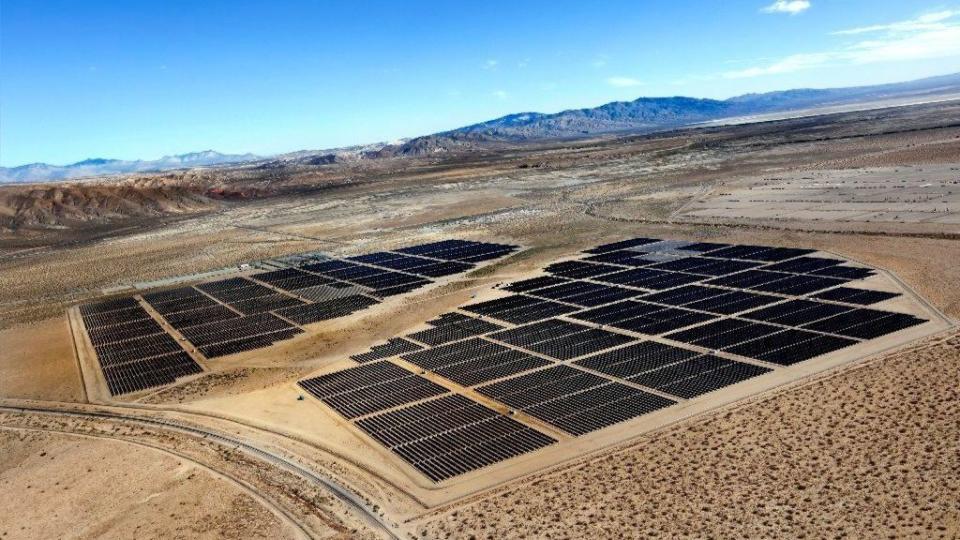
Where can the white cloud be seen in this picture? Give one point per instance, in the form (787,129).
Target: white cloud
(500,94)
(795,62)
(929,21)
(788,6)
(600,61)
(924,38)
(491,64)
(623,82)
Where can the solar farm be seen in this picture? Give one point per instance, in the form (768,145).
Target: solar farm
(152,340)
(634,333)
(725,331)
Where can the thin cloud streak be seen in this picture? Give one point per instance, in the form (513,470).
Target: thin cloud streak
(793,7)
(930,21)
(924,38)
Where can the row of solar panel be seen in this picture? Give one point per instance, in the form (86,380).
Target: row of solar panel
(370,388)
(149,372)
(451,435)
(219,330)
(460,250)
(496,361)
(133,350)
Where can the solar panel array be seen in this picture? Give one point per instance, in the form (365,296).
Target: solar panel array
(240,314)
(629,328)
(134,351)
(452,435)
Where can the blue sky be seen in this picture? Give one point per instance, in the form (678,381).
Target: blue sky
(132,80)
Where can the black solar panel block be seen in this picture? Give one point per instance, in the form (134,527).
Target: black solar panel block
(454,353)
(452,435)
(572,346)
(580,270)
(796,312)
(623,244)
(630,361)
(488,368)
(369,388)
(850,295)
(534,283)
(709,381)
(392,347)
(704,247)
(108,305)
(597,408)
(322,311)
(149,373)
(865,323)
(453,331)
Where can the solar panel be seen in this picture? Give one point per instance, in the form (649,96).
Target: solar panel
(519,309)
(488,368)
(647,278)
(845,272)
(148,373)
(124,332)
(804,265)
(850,295)
(628,362)
(580,344)
(106,306)
(796,312)
(185,319)
(579,269)
(452,435)
(573,400)
(323,311)
(370,388)
(235,328)
(865,323)
(704,247)
(454,353)
(623,244)
(392,347)
(723,333)
(453,331)
(188,303)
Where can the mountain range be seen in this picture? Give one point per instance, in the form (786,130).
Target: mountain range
(41,172)
(642,115)
(647,114)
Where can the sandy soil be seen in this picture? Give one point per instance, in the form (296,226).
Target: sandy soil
(60,480)
(875,457)
(38,362)
(920,194)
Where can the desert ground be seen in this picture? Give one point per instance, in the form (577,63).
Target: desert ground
(866,449)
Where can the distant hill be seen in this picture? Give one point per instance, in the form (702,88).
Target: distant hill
(642,115)
(39,172)
(648,114)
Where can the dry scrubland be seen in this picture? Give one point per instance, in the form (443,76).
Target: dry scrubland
(869,452)
(42,466)
(872,452)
